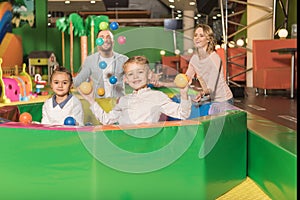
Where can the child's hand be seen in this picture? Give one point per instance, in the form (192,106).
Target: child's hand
(184,91)
(154,79)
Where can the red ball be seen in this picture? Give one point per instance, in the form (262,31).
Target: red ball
(25,118)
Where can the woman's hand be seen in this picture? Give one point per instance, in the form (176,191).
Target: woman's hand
(198,97)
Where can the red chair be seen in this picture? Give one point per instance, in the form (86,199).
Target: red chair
(170,66)
(270,69)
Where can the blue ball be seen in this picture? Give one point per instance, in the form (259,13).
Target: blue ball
(150,85)
(70,121)
(102,65)
(99,41)
(114,26)
(113,79)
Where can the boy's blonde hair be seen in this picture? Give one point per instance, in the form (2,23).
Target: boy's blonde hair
(140,60)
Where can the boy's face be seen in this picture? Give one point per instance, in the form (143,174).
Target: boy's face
(61,84)
(136,76)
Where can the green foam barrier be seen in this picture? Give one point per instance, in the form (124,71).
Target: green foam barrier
(199,159)
(272,158)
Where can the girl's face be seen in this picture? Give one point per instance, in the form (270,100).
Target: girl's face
(61,84)
(200,38)
(136,76)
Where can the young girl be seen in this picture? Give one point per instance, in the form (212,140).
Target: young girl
(143,105)
(62,104)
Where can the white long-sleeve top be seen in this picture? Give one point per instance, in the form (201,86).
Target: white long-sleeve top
(55,114)
(211,71)
(143,106)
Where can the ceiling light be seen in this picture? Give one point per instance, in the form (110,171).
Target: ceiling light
(192,3)
(67,2)
(171,1)
(240,42)
(283,33)
(93,1)
(177,51)
(162,52)
(190,51)
(172,6)
(231,44)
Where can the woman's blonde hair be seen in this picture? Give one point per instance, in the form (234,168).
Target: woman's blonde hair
(208,32)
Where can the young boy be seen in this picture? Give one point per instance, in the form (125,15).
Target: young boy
(62,104)
(143,105)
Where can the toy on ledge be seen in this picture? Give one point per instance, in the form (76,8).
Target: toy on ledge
(40,84)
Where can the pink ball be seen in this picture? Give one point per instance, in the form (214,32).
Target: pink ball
(121,39)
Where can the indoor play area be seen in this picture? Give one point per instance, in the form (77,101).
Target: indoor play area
(220,152)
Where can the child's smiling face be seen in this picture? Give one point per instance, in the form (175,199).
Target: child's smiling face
(61,84)
(136,75)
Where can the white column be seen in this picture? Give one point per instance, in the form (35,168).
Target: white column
(188,29)
(259,31)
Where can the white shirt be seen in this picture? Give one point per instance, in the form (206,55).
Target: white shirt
(143,106)
(211,71)
(56,115)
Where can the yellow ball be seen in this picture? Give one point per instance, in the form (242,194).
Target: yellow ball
(103,25)
(181,80)
(85,87)
(100,91)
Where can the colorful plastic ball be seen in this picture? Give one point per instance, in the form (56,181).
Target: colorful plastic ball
(114,26)
(85,87)
(121,39)
(150,85)
(25,118)
(70,121)
(100,91)
(113,79)
(102,65)
(103,25)
(99,41)
(181,80)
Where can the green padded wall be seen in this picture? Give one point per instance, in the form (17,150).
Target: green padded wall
(272,158)
(199,159)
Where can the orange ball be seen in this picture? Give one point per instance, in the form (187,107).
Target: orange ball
(25,118)
(85,87)
(181,80)
(100,91)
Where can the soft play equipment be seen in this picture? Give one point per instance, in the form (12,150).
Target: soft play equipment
(5,19)
(193,159)
(11,50)
(15,87)
(11,89)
